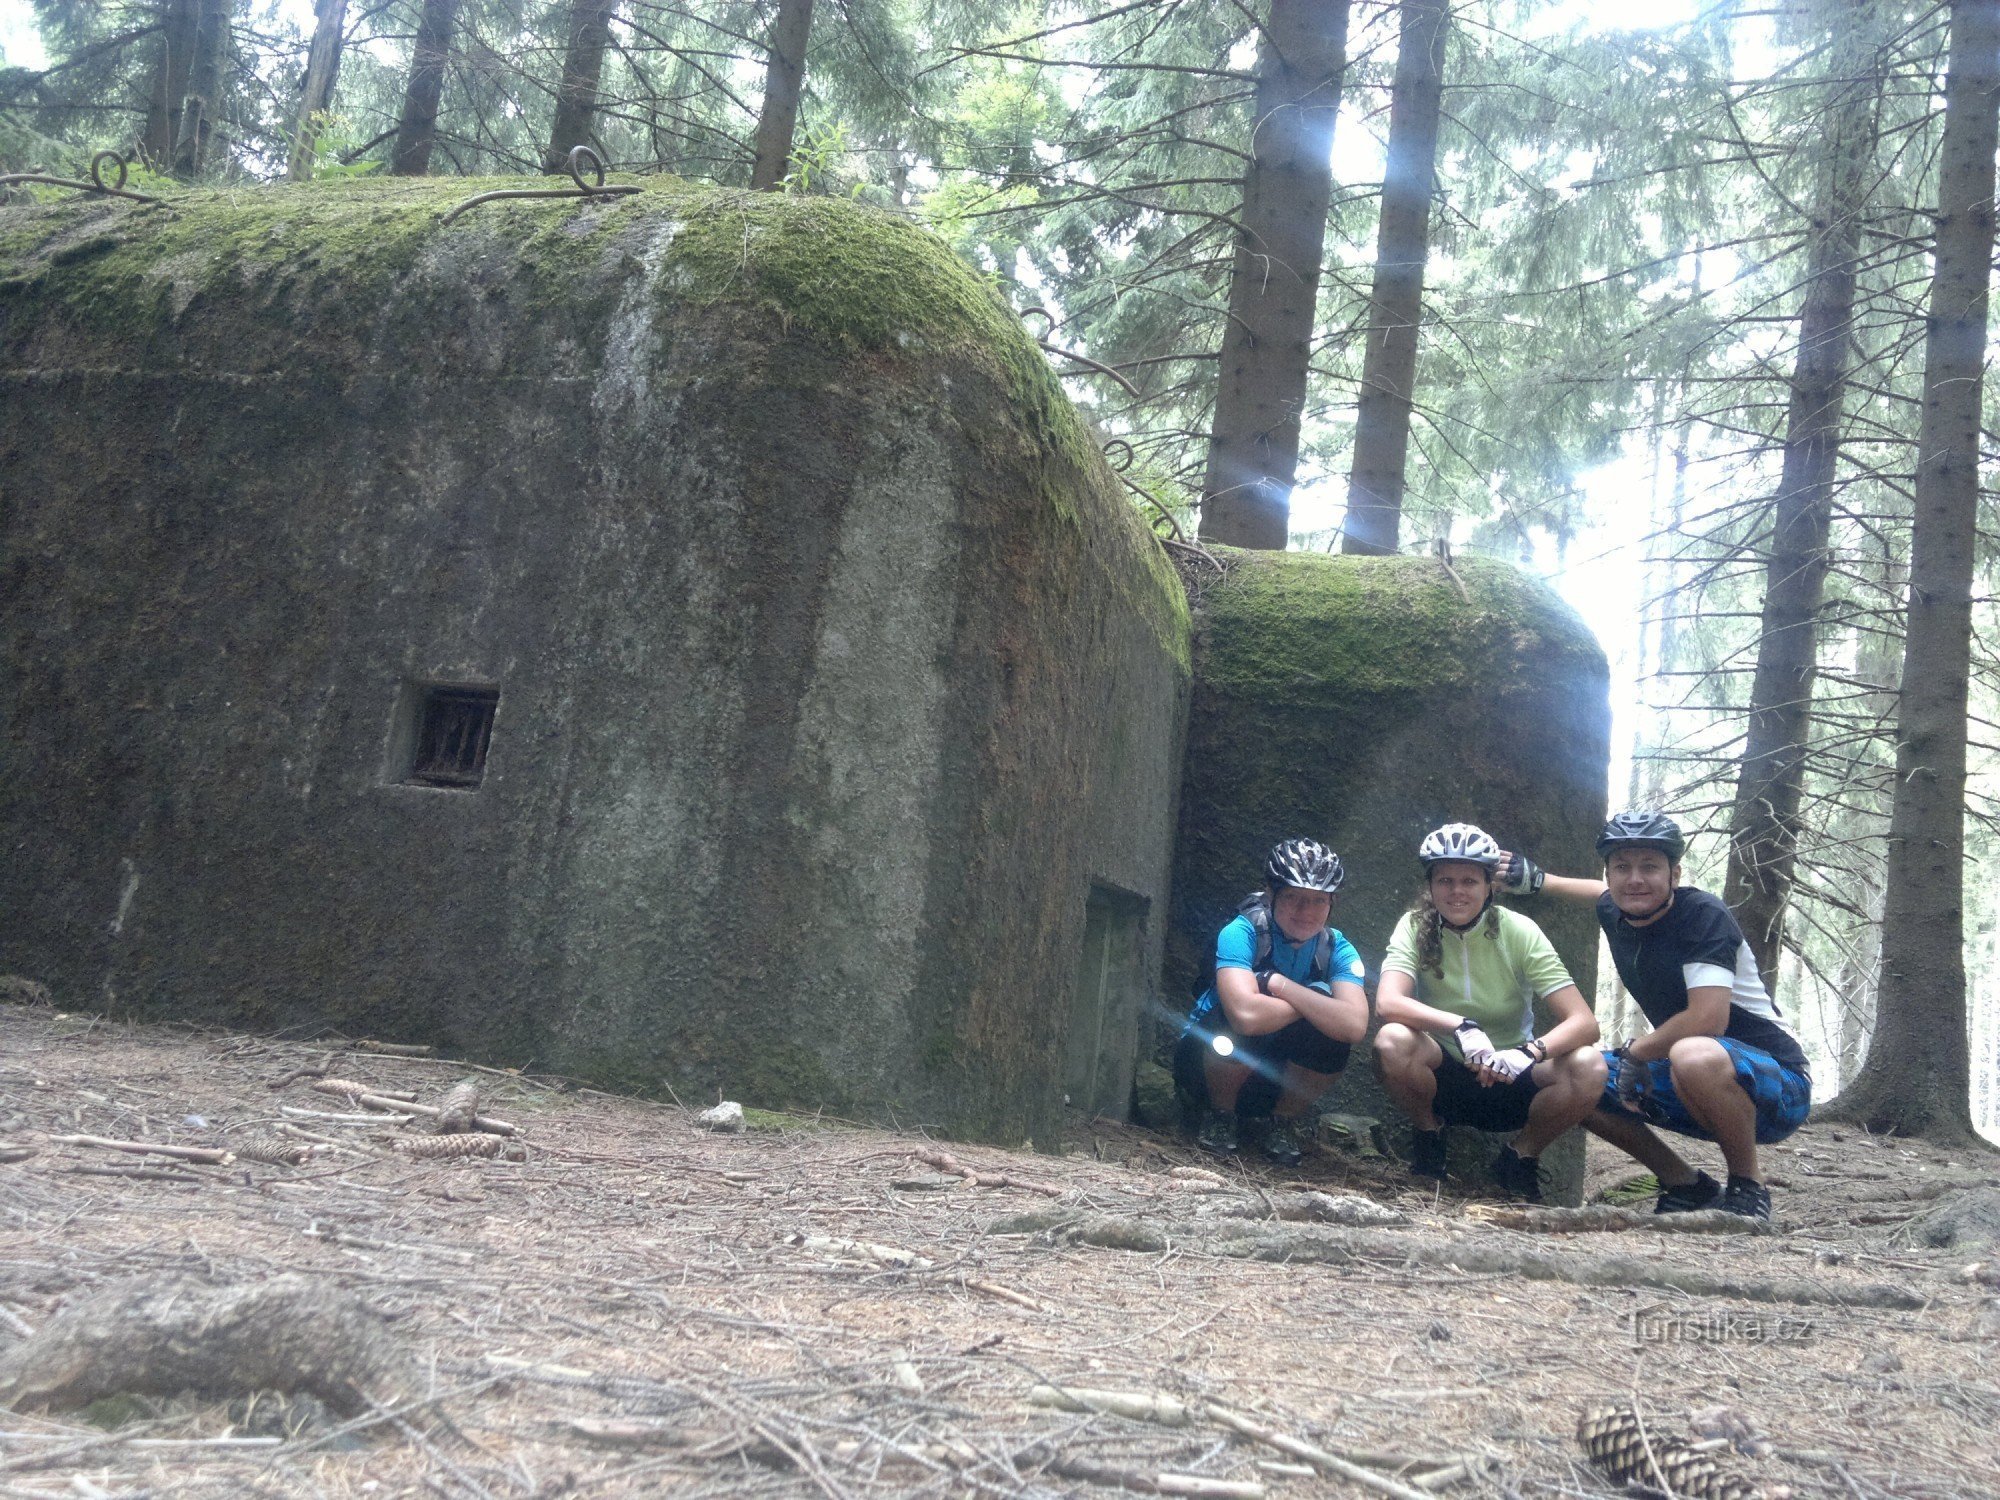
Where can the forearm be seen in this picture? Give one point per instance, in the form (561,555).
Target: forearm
(1342,1017)
(1572,888)
(1571,1034)
(1697,1020)
(1393,1004)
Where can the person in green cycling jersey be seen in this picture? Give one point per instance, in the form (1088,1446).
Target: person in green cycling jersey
(1456,999)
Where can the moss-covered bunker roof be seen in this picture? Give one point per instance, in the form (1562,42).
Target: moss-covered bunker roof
(1298,626)
(99,281)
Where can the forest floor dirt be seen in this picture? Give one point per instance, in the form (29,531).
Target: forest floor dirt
(643,1307)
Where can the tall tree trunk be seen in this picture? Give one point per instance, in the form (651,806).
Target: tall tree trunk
(204,95)
(1253,453)
(416,129)
(316,95)
(583,65)
(1764,827)
(180,24)
(784,81)
(1917,1079)
(1395,306)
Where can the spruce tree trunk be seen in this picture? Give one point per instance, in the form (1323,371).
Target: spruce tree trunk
(205,83)
(1917,1080)
(1253,452)
(1402,246)
(784,81)
(416,129)
(316,94)
(180,25)
(1764,826)
(583,65)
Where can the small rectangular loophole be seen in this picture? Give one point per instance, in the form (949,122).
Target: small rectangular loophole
(454,726)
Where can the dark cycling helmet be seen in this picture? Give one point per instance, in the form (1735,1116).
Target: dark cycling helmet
(1463,841)
(1304,864)
(1642,830)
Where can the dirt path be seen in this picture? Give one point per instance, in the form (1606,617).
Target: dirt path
(710,1310)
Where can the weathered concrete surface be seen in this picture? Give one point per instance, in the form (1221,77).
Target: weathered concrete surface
(834,669)
(1365,701)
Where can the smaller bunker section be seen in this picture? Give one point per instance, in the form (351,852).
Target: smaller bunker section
(1364,701)
(685,641)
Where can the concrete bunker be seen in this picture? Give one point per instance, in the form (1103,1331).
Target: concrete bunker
(681,641)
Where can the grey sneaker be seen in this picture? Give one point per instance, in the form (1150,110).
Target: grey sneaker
(1746,1199)
(1427,1154)
(1217,1132)
(1689,1196)
(1285,1143)
(1518,1176)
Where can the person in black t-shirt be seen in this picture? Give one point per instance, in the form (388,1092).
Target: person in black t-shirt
(1720,1063)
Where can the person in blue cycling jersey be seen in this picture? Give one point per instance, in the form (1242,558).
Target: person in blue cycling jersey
(1720,1063)
(1283,1008)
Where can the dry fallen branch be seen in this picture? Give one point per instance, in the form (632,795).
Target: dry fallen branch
(1136,1406)
(206,1155)
(1155,1484)
(15,1153)
(396,1049)
(881,1255)
(1318,1457)
(395,1103)
(944,1161)
(1313,1244)
(137,1174)
(291,1333)
(1605,1219)
(1310,1207)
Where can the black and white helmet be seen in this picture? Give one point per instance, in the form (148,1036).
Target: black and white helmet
(1304,864)
(1642,830)
(1463,841)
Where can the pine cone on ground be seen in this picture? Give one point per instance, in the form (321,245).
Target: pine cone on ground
(273,1152)
(456,1147)
(1612,1438)
(458,1110)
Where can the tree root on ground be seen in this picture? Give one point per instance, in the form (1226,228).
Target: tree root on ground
(291,1334)
(1308,1244)
(1600,1218)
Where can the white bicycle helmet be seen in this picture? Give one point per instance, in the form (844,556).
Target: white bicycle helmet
(1463,841)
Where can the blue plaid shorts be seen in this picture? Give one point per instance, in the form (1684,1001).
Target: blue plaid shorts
(1782,1095)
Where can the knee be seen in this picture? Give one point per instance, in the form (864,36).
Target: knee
(1395,1046)
(1584,1069)
(1699,1058)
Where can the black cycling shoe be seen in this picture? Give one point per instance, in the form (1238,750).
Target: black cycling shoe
(1689,1196)
(1427,1154)
(1284,1143)
(1746,1199)
(1518,1176)
(1217,1132)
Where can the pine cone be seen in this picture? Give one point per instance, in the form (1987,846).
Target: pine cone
(273,1152)
(454,1147)
(456,1111)
(1611,1437)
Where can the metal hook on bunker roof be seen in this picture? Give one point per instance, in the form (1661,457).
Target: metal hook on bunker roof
(579,158)
(96,183)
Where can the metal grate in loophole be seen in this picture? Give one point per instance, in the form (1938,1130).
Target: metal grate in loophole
(454,727)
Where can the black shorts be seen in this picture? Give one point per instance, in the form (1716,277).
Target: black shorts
(1301,1043)
(1463,1100)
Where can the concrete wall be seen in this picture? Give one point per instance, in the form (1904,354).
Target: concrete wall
(1365,701)
(834,671)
